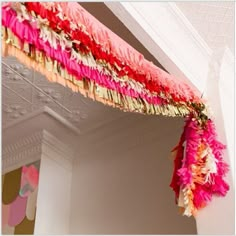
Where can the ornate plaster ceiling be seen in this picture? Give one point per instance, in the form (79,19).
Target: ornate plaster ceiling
(24,91)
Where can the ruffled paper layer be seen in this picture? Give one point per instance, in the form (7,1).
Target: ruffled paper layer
(66,59)
(111,96)
(107,46)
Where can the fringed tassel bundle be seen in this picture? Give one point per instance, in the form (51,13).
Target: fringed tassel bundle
(199,168)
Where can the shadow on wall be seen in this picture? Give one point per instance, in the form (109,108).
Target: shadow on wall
(121,179)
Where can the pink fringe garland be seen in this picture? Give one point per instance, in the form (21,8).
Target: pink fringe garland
(26,33)
(123,51)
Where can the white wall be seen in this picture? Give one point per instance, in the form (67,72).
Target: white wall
(220,93)
(227,102)
(121,184)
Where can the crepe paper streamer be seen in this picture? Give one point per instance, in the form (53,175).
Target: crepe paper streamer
(85,70)
(25,227)
(149,81)
(11,186)
(116,45)
(164,110)
(88,60)
(156,77)
(99,94)
(31,205)
(54,39)
(8,230)
(78,70)
(5,214)
(29,180)
(17,211)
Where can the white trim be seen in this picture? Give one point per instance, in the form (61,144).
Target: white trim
(189,29)
(33,148)
(39,120)
(53,201)
(23,152)
(56,150)
(43,133)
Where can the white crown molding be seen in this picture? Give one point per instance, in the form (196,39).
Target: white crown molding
(38,120)
(189,29)
(22,152)
(36,113)
(35,147)
(163,29)
(41,134)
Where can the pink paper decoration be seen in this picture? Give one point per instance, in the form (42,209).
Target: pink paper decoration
(29,180)
(17,211)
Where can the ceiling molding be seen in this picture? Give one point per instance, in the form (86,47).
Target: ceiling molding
(36,113)
(22,152)
(42,133)
(189,29)
(163,29)
(26,92)
(38,120)
(213,20)
(38,145)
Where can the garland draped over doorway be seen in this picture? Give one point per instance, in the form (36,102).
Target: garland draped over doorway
(69,46)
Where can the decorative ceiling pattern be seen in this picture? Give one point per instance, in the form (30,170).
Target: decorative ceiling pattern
(214,21)
(25,90)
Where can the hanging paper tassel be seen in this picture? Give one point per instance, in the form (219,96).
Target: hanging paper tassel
(199,168)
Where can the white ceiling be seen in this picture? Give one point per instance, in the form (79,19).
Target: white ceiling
(213,20)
